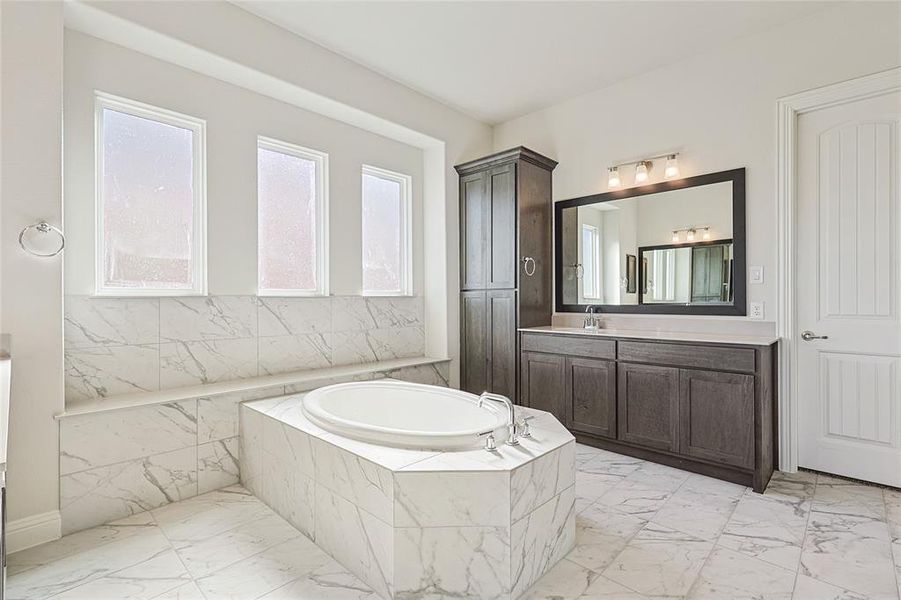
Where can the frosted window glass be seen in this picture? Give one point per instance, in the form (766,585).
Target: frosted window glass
(383,234)
(287,221)
(147,189)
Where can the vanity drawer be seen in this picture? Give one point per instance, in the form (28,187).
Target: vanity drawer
(570,345)
(720,358)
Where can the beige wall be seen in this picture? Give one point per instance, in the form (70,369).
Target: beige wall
(214,37)
(234,119)
(719,109)
(31,47)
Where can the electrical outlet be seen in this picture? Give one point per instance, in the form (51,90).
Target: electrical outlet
(755,274)
(755,310)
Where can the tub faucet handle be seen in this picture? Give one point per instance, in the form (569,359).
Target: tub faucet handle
(525,430)
(490,442)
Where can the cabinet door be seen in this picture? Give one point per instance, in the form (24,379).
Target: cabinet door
(474,231)
(717,416)
(502,260)
(543,382)
(502,342)
(473,342)
(590,399)
(648,405)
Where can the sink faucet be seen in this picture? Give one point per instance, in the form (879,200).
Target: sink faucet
(511,425)
(591,320)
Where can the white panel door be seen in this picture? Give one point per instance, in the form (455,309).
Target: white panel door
(849,275)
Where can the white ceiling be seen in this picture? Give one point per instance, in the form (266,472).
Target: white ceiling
(498,60)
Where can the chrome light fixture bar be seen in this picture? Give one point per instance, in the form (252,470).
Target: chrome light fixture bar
(690,234)
(643,168)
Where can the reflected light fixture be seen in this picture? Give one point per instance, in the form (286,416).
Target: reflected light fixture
(641,171)
(613,177)
(706,235)
(690,236)
(675,237)
(672,167)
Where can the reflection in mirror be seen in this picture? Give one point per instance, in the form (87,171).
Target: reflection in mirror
(677,242)
(689,274)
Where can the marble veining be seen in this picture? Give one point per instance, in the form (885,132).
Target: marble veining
(412,523)
(118,346)
(617,555)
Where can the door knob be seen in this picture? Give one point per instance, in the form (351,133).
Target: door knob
(809,335)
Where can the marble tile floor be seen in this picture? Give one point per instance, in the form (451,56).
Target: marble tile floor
(643,531)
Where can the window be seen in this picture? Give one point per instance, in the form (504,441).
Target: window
(591,264)
(387,233)
(150,200)
(292,207)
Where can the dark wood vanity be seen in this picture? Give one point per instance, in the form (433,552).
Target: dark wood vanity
(704,406)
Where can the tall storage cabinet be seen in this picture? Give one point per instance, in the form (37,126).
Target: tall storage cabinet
(506,270)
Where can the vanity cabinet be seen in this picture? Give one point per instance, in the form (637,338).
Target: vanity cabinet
(590,396)
(648,405)
(703,407)
(505,264)
(543,381)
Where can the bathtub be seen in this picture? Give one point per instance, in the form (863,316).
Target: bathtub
(405,415)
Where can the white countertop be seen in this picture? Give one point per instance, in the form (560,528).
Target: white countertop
(661,336)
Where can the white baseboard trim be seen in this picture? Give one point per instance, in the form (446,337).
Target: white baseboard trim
(35,530)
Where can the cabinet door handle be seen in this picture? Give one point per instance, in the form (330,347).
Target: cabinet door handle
(526,261)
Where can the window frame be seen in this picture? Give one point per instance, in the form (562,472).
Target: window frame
(406,190)
(320,159)
(104,101)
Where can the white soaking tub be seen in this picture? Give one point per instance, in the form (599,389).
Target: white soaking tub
(405,415)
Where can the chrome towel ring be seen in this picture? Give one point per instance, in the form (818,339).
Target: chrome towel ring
(42,227)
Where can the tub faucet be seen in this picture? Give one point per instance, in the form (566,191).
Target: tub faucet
(511,425)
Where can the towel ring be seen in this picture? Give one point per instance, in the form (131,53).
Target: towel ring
(42,227)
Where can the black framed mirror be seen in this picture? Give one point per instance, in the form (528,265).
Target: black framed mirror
(674,247)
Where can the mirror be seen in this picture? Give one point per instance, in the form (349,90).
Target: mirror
(675,247)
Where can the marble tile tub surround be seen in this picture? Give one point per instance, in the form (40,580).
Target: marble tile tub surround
(231,546)
(120,462)
(116,346)
(417,524)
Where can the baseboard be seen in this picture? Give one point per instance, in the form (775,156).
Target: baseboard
(22,534)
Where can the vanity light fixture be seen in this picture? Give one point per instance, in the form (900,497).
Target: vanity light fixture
(676,237)
(671,169)
(706,235)
(643,168)
(641,171)
(613,177)
(690,236)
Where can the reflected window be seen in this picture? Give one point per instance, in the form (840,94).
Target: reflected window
(591,263)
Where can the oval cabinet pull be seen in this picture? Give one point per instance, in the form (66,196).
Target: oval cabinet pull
(526,261)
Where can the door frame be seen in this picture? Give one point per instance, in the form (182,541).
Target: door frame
(789,109)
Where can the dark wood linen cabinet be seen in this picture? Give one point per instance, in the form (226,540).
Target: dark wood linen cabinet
(505,264)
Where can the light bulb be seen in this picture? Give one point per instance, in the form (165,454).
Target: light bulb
(641,172)
(613,177)
(706,233)
(691,235)
(672,167)
(675,237)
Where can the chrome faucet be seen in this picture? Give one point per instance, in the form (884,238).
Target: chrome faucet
(511,425)
(591,319)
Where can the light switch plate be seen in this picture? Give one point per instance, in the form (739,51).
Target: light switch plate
(755,274)
(755,310)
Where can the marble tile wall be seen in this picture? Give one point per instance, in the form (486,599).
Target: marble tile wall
(478,532)
(117,346)
(121,462)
